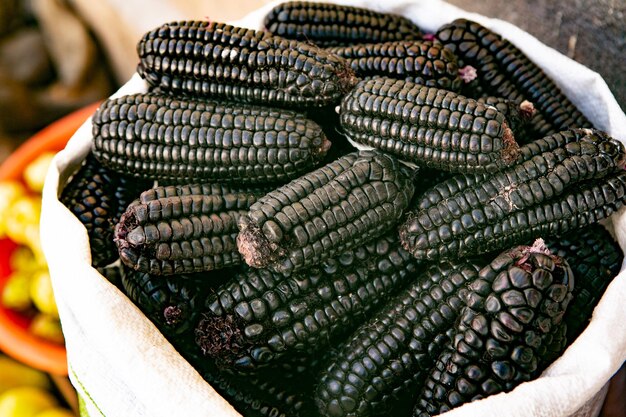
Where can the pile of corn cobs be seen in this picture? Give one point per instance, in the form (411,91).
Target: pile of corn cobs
(303,277)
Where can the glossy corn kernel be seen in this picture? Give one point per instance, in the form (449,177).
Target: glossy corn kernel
(388,356)
(421,62)
(335,208)
(160,137)
(98,197)
(327,24)
(595,258)
(222,61)
(271,316)
(184,234)
(505,71)
(504,334)
(577,180)
(428,126)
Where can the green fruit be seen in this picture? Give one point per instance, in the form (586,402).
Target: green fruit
(16,292)
(25,402)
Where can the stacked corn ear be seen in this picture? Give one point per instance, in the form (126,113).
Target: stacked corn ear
(171,302)
(505,71)
(421,62)
(327,24)
(330,210)
(505,333)
(268,316)
(428,126)
(562,182)
(221,61)
(182,234)
(162,137)
(98,196)
(595,258)
(388,356)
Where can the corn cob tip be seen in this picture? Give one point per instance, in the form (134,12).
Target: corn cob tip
(219,337)
(347,77)
(323,150)
(125,236)
(468,74)
(523,254)
(510,150)
(174,315)
(256,250)
(526,109)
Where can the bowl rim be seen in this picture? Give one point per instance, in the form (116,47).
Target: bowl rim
(15,341)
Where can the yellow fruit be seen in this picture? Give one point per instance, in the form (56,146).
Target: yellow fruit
(48,328)
(22,219)
(41,293)
(35,172)
(14,374)
(10,191)
(25,402)
(56,412)
(23,259)
(16,291)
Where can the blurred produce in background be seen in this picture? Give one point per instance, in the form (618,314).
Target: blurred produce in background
(50,65)
(26,392)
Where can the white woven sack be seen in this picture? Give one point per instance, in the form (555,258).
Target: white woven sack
(122,366)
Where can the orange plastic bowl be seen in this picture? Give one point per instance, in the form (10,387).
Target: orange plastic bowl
(15,340)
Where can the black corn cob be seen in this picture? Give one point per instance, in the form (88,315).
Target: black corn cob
(97,197)
(428,126)
(387,356)
(421,62)
(252,395)
(327,24)
(504,333)
(268,316)
(595,259)
(173,303)
(577,183)
(505,71)
(221,61)
(337,207)
(183,234)
(160,137)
